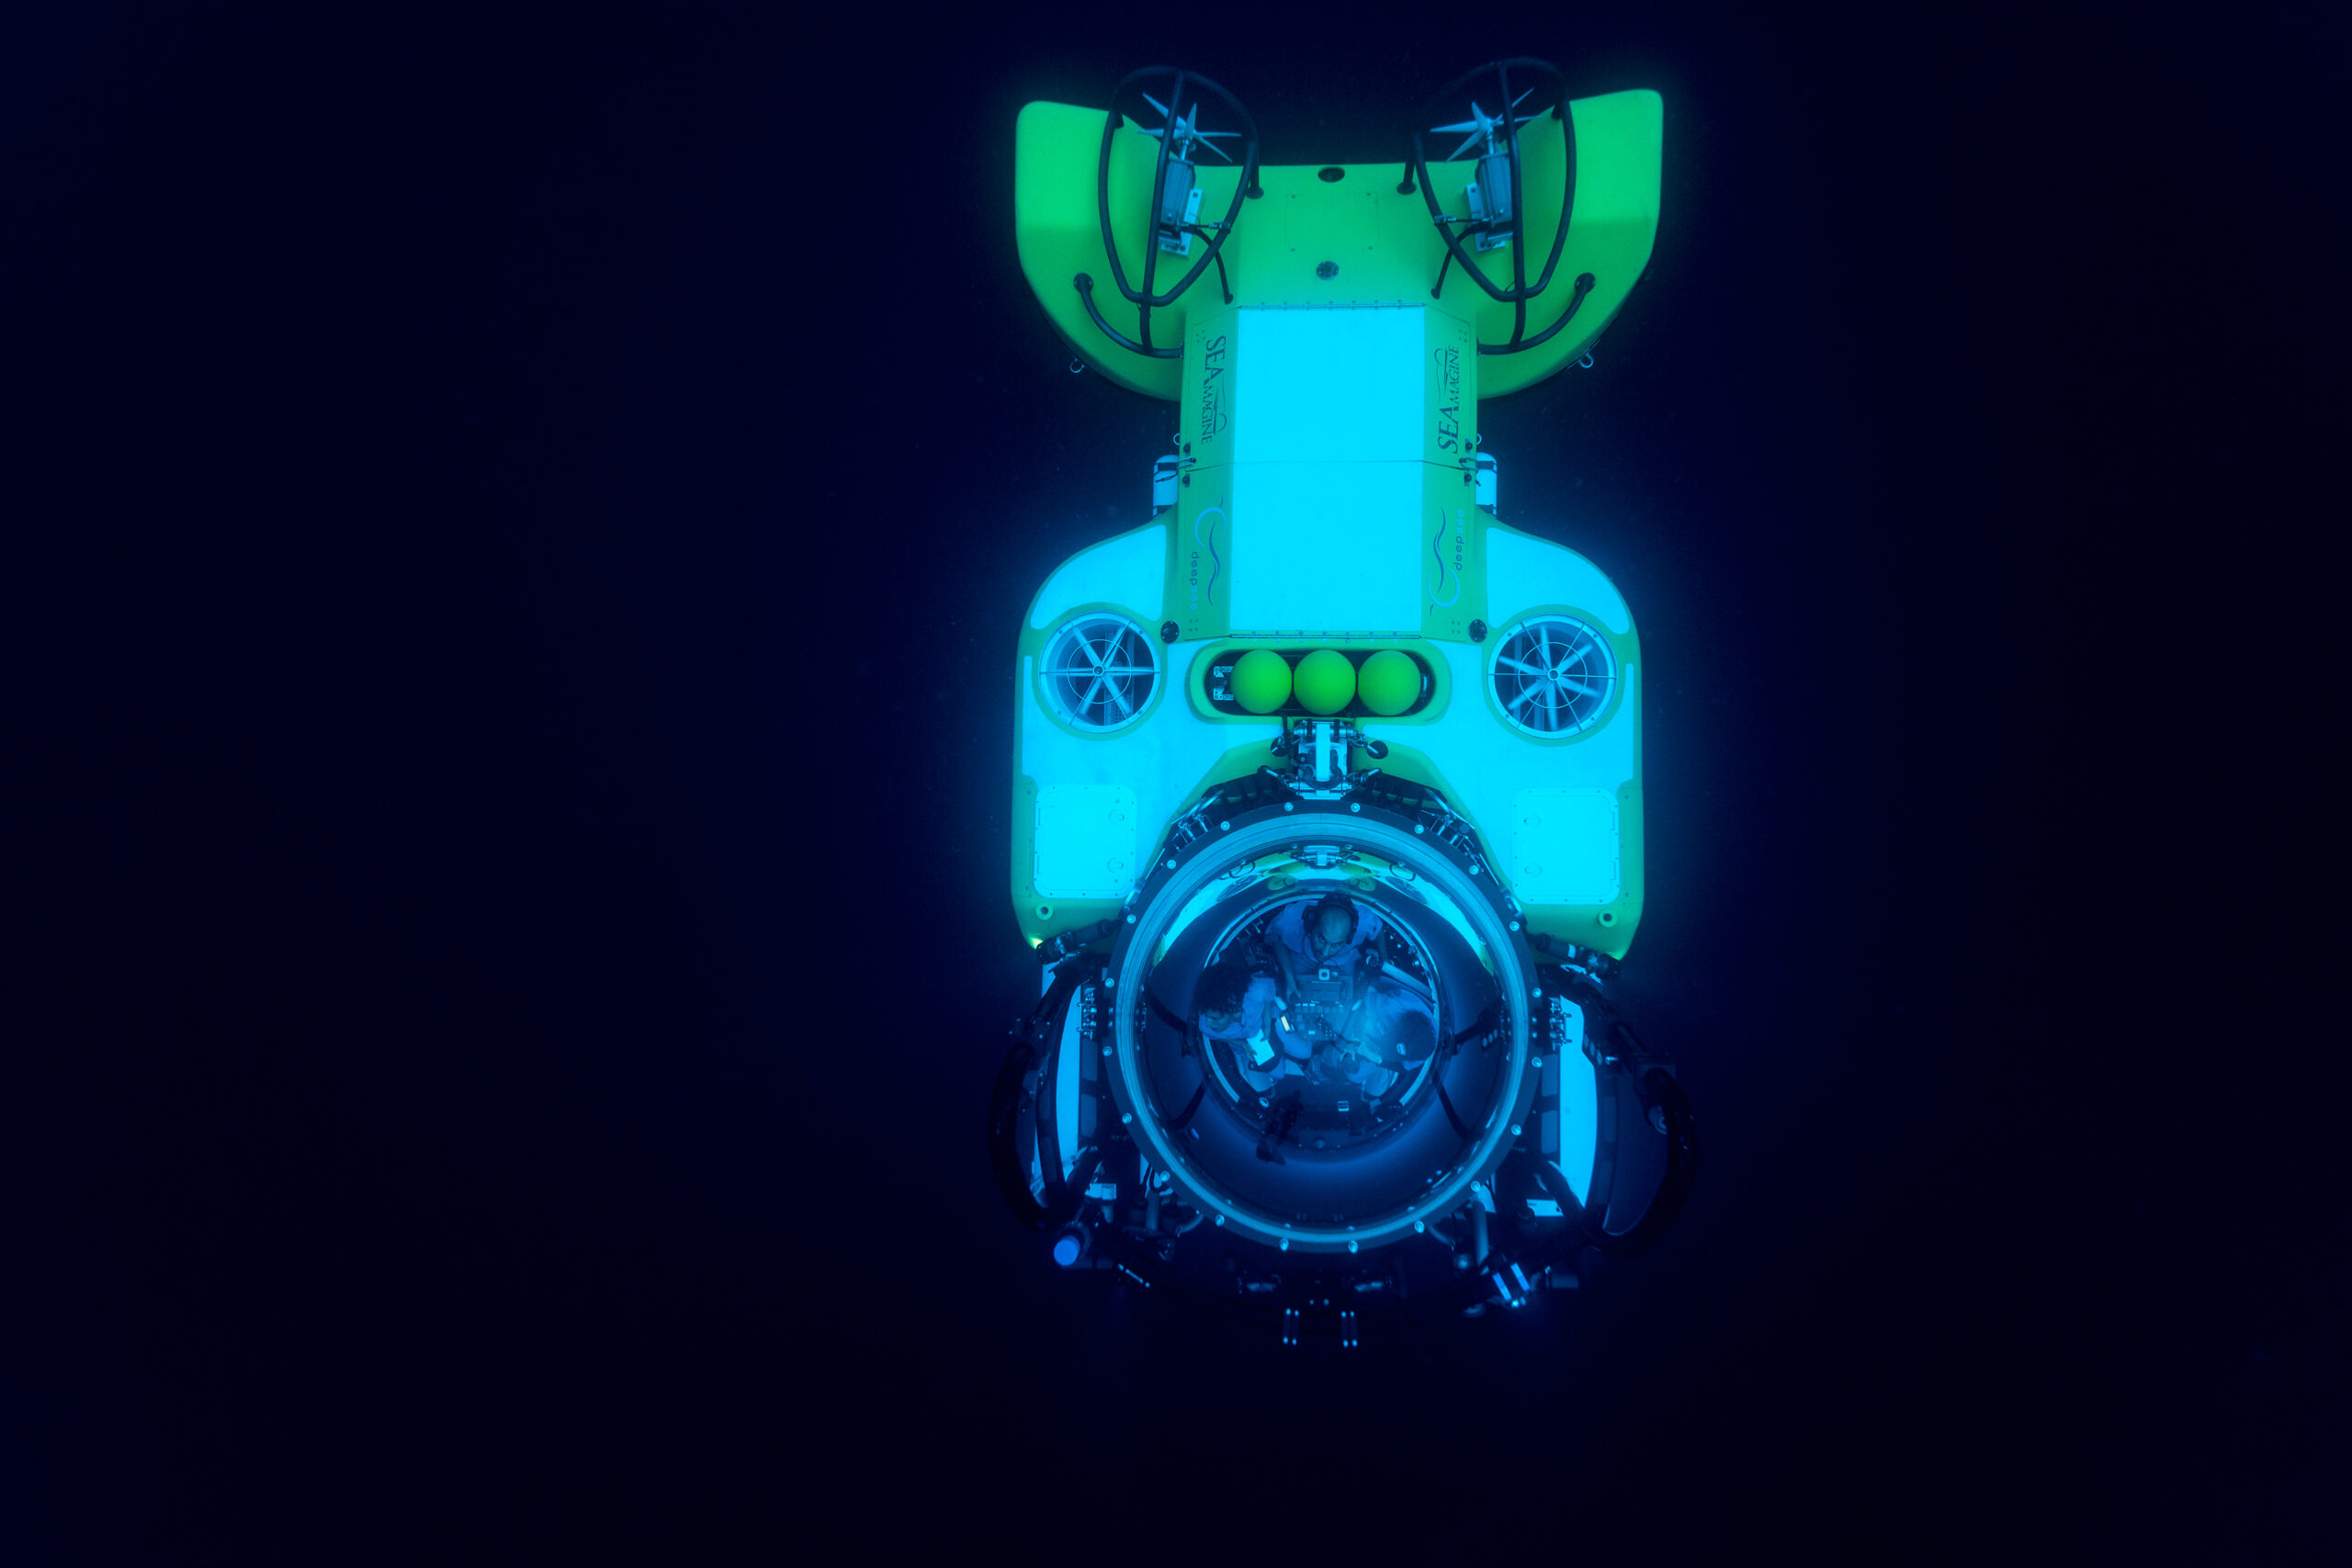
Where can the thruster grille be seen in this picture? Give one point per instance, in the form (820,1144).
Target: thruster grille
(1099,672)
(1554,675)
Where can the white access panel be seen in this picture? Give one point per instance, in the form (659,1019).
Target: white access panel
(1564,846)
(1084,845)
(1326,547)
(1326,471)
(1330,386)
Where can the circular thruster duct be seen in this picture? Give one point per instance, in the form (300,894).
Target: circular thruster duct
(1554,675)
(1346,1181)
(1099,672)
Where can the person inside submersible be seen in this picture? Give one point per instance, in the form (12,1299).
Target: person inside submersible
(1334,1022)
(1322,940)
(1240,1004)
(1395,1034)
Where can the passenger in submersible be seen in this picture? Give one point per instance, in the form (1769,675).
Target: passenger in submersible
(1239,1004)
(1327,935)
(1395,1034)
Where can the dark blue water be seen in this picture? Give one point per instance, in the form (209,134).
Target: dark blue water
(516,528)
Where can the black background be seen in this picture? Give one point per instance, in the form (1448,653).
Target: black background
(515,522)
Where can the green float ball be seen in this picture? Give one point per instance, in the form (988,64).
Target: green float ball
(1260,681)
(1389,682)
(1326,680)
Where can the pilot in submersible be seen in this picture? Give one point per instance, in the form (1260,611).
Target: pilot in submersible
(1327,784)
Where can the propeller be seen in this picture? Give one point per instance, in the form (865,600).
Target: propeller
(1188,130)
(1479,124)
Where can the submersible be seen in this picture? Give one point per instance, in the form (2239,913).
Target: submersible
(1327,784)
